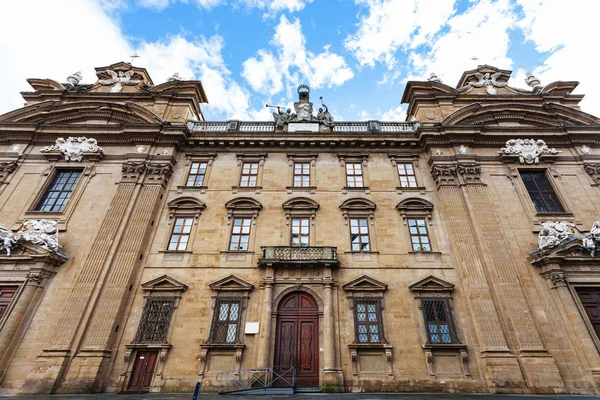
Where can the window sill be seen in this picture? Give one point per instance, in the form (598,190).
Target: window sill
(361,252)
(357,189)
(370,346)
(554,215)
(224,346)
(202,188)
(311,189)
(425,252)
(410,188)
(148,346)
(236,252)
(448,346)
(175,251)
(256,189)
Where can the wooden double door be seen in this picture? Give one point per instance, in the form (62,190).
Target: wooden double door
(297,337)
(142,372)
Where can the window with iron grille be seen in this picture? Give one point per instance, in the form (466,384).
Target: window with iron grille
(300,232)
(155,321)
(249,174)
(406,172)
(418,235)
(197,173)
(541,192)
(359,234)
(226,320)
(181,234)
(240,234)
(367,320)
(56,195)
(301,174)
(438,320)
(354,175)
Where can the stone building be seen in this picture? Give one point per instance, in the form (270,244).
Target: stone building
(145,249)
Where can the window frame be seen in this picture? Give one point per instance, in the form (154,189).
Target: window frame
(427,301)
(366,301)
(186,207)
(300,234)
(417,208)
(249,175)
(360,234)
(197,174)
(249,158)
(360,208)
(558,198)
(188,235)
(410,185)
(355,158)
(302,158)
(216,322)
(353,176)
(46,190)
(418,234)
(241,233)
(302,174)
(145,324)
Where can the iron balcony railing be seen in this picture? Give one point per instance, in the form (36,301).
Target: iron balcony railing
(258,378)
(233,126)
(288,253)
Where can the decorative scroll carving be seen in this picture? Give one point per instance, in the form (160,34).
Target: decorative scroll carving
(35,278)
(6,168)
(133,170)
(558,279)
(465,362)
(429,360)
(354,356)
(390,361)
(444,175)
(203,358)
(528,150)
(593,170)
(553,233)
(74,148)
(471,173)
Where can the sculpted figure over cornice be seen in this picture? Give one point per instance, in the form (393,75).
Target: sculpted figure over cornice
(488,80)
(554,233)
(528,150)
(73,148)
(42,233)
(117,79)
(74,79)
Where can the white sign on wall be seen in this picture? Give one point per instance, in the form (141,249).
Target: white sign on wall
(251,328)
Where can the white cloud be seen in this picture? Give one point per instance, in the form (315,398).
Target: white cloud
(568,33)
(391,24)
(270,73)
(270,7)
(395,114)
(68,35)
(482,31)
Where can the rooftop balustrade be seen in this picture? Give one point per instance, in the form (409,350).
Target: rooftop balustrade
(234,126)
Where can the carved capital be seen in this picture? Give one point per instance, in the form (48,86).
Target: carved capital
(35,278)
(593,170)
(470,173)
(132,170)
(444,175)
(556,278)
(158,173)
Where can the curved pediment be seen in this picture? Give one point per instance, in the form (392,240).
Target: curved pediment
(415,204)
(186,203)
(358,203)
(243,203)
(547,114)
(300,203)
(82,112)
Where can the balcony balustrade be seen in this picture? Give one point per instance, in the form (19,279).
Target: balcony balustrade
(298,255)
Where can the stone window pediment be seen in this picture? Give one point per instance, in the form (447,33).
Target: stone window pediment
(365,284)
(186,206)
(231,283)
(164,283)
(243,207)
(358,206)
(415,207)
(431,284)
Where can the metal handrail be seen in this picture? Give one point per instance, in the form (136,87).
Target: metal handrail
(257,378)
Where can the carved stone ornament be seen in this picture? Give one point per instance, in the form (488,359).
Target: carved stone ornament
(304,111)
(74,79)
(585,150)
(486,80)
(462,149)
(591,240)
(553,233)
(119,79)
(133,170)
(42,233)
(444,174)
(159,172)
(470,172)
(528,150)
(593,170)
(74,148)
(6,168)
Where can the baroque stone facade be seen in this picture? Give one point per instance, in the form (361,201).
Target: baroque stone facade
(454,252)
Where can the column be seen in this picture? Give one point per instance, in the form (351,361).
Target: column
(328,328)
(265,337)
(16,316)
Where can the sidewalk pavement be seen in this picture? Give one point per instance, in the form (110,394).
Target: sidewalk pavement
(311,396)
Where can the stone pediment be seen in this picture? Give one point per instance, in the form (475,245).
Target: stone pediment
(164,283)
(25,253)
(231,283)
(121,77)
(364,284)
(431,284)
(570,250)
(503,75)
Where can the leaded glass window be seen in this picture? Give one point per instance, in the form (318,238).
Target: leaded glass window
(226,320)
(438,321)
(367,320)
(155,321)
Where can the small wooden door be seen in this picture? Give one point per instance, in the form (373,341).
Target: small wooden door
(7,294)
(143,370)
(590,299)
(297,338)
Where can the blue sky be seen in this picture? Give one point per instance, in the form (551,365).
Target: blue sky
(357,54)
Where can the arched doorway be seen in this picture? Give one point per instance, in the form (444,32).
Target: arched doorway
(297,338)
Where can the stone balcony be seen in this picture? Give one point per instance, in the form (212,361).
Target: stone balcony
(287,255)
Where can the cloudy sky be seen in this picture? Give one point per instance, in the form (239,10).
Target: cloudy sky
(357,54)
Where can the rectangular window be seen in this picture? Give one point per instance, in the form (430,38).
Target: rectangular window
(197,173)
(300,232)
(156,319)
(226,320)
(359,234)
(406,173)
(301,174)
(7,294)
(181,234)
(59,191)
(418,235)
(438,320)
(367,320)
(541,192)
(240,234)
(249,174)
(354,175)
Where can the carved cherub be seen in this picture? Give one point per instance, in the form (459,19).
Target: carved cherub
(123,77)
(489,81)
